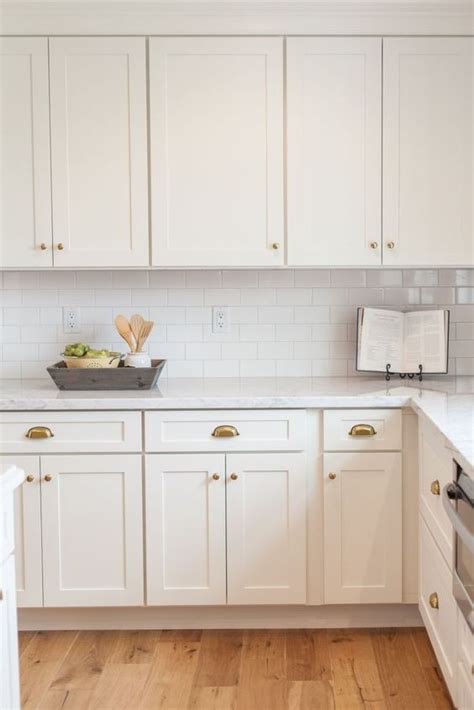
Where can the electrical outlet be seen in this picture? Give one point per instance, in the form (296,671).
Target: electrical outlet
(71,320)
(220,320)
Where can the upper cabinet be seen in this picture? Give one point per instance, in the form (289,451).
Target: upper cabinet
(428,158)
(334,109)
(25,182)
(216,128)
(99,151)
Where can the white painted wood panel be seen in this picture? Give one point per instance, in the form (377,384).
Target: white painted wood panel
(362,528)
(387,424)
(428,151)
(266,528)
(334,150)
(216,127)
(185,529)
(9,671)
(73,432)
(99,151)
(258,430)
(92,530)
(25,179)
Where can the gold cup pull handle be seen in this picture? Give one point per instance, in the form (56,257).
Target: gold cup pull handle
(225,431)
(362,430)
(39,432)
(435,488)
(433,600)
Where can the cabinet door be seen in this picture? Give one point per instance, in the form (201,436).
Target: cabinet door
(25,182)
(266,528)
(92,530)
(99,151)
(428,159)
(185,529)
(216,112)
(362,528)
(9,675)
(28,563)
(334,151)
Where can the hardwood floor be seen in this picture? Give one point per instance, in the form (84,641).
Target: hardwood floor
(380,669)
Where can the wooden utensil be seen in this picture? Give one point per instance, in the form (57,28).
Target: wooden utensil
(146,329)
(123,328)
(136,324)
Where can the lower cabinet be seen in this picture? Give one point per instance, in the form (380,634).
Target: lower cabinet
(226,528)
(362,528)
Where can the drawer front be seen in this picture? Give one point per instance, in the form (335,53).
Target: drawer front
(275,430)
(73,432)
(436,579)
(362,429)
(466,647)
(436,470)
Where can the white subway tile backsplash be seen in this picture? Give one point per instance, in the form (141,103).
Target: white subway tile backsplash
(283,322)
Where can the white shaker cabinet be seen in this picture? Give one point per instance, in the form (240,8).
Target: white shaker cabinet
(216,153)
(25,179)
(99,151)
(334,106)
(362,528)
(266,528)
(92,530)
(185,529)
(428,151)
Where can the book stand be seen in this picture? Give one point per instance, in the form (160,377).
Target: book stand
(410,375)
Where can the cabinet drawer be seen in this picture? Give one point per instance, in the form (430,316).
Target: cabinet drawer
(372,429)
(275,430)
(436,470)
(73,432)
(466,648)
(440,622)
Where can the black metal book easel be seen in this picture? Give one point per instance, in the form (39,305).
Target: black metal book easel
(410,375)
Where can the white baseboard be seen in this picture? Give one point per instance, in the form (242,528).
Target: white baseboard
(238,617)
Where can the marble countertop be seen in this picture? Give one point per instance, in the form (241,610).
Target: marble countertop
(448,403)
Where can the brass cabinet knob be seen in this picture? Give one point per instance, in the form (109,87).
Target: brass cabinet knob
(30,478)
(60,246)
(43,246)
(225,431)
(39,432)
(332,476)
(374,245)
(391,245)
(362,430)
(1,595)
(435,488)
(234,476)
(275,245)
(215,476)
(48,478)
(433,600)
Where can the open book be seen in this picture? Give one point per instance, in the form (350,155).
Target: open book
(403,340)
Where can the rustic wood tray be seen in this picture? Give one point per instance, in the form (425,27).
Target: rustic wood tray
(107,378)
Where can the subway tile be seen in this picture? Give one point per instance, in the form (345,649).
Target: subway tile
(257,333)
(94,279)
(465,366)
(329,332)
(275,314)
(239,351)
(129,311)
(9,334)
(42,298)
(329,368)
(97,316)
(464,331)
(461,348)
(197,314)
(465,295)
(316,278)
(185,368)
(314,350)
(330,296)
(185,297)
(345,350)
(402,296)
(57,279)
(384,277)
(10,371)
(38,334)
(462,313)
(50,351)
(20,351)
(203,351)
(148,297)
(366,296)
(130,279)
(456,277)
(167,351)
(293,368)
(162,315)
(293,332)
(294,296)
(420,277)
(258,297)
(434,296)
(343,314)
(270,351)
(74,297)
(35,370)
(221,368)
(347,277)
(52,316)
(189,333)
(258,368)
(210,336)
(239,279)
(281,279)
(167,279)
(312,314)
(21,280)
(21,316)
(201,278)
(243,314)
(222,297)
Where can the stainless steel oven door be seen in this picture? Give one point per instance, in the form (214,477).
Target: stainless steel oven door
(458,501)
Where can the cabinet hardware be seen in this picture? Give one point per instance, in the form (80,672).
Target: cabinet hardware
(215,476)
(1,595)
(60,246)
(225,430)
(39,432)
(30,478)
(332,476)
(391,245)
(434,601)
(374,245)
(234,476)
(275,245)
(48,478)
(435,488)
(362,430)
(43,246)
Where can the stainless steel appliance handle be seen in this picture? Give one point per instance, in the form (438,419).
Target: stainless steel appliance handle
(460,528)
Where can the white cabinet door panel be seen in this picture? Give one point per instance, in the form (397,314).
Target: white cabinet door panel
(266,528)
(25,187)
(334,150)
(428,151)
(185,529)
(99,151)
(362,528)
(216,126)
(92,530)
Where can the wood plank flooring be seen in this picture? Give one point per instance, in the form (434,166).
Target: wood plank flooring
(380,669)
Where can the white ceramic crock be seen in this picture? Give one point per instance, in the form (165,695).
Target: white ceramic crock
(137,360)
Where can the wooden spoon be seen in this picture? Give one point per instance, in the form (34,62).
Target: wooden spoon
(145,331)
(123,327)
(136,324)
